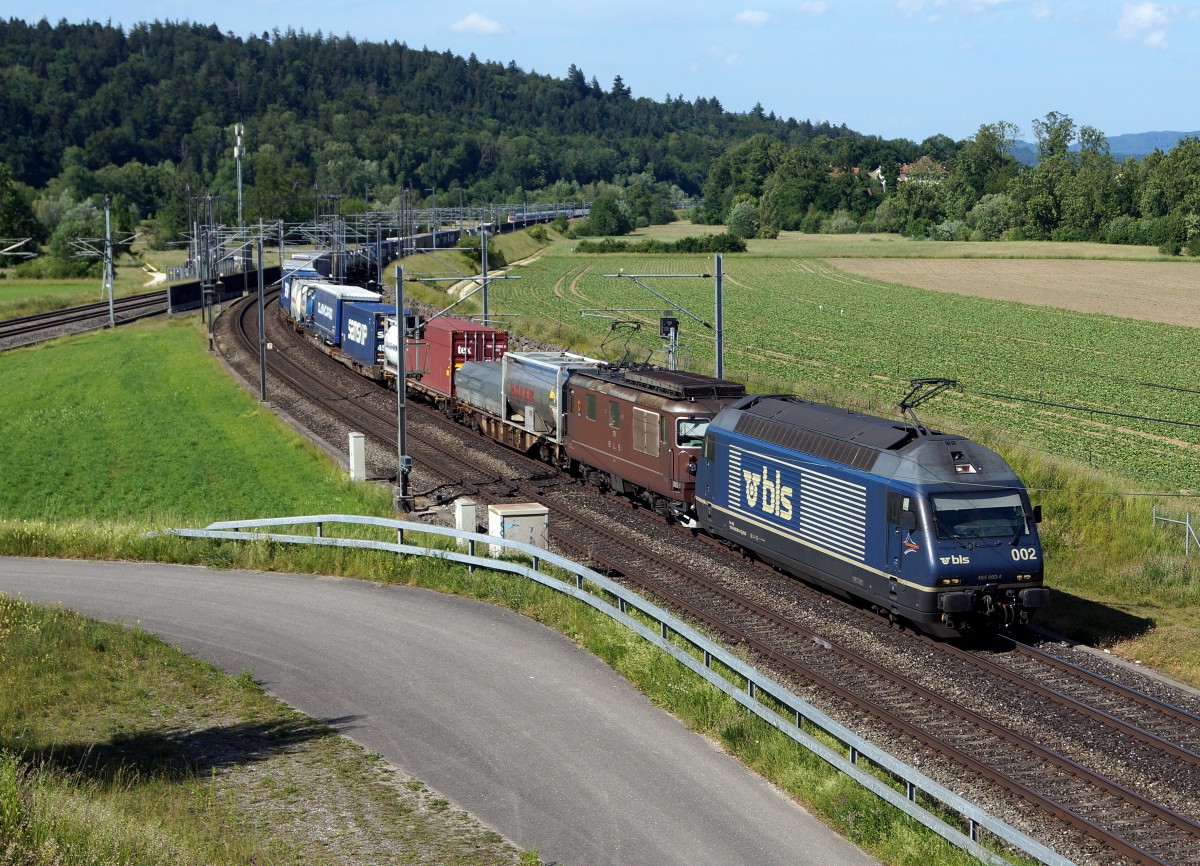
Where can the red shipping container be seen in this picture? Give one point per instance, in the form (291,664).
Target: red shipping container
(447,345)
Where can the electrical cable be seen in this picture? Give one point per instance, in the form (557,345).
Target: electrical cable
(1086,409)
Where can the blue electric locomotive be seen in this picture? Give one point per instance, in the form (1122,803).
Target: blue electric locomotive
(924,526)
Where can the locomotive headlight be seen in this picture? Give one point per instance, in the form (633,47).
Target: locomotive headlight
(1026,576)
(949,581)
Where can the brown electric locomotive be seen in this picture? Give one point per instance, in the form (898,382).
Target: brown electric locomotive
(639,431)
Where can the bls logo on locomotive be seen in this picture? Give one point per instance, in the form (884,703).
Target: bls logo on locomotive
(776,499)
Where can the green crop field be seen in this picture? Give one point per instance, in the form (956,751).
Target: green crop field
(802,325)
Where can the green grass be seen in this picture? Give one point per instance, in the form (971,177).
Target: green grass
(178,385)
(20,297)
(118,725)
(518,245)
(138,425)
(175,442)
(117,749)
(806,327)
(29,297)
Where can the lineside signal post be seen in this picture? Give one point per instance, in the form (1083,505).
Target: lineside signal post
(668,324)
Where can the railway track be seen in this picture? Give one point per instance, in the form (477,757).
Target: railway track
(1141,807)
(27,330)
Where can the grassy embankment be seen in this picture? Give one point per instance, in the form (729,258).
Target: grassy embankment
(174,442)
(30,297)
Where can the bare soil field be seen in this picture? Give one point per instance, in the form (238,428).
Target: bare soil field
(1166,292)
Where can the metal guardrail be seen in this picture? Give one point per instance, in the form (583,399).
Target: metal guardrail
(910,788)
(1189,530)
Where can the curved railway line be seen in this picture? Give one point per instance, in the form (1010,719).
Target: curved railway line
(1112,770)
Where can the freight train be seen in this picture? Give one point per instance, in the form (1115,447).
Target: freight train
(363,262)
(924,527)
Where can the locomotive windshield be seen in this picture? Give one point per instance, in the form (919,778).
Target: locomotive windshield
(690,432)
(979,516)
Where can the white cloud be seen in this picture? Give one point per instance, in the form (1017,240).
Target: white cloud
(727,58)
(814,9)
(752,18)
(478,24)
(939,9)
(1145,23)
(1039,11)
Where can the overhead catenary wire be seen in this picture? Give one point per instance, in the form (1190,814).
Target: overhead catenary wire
(925,326)
(1088,409)
(1057,369)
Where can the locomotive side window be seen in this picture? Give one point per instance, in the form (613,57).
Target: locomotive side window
(690,432)
(614,415)
(591,407)
(900,511)
(979,516)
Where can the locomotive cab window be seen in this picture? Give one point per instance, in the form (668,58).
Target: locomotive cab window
(690,432)
(979,516)
(614,415)
(591,407)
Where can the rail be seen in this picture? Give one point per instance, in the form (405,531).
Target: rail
(909,790)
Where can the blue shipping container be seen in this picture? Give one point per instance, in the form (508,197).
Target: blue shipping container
(364,324)
(327,303)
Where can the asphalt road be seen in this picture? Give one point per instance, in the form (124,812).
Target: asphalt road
(506,718)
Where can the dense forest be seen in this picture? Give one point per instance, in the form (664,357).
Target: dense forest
(147,116)
(344,116)
(969,190)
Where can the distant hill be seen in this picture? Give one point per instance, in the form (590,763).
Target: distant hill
(1135,144)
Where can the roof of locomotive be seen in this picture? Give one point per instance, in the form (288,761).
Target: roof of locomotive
(881,446)
(671,384)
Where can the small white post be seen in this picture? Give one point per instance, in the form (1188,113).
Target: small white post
(358,457)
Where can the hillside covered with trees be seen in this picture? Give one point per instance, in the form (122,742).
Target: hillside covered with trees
(974,189)
(146,115)
(347,117)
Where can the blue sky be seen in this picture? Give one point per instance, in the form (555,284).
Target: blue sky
(894,68)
